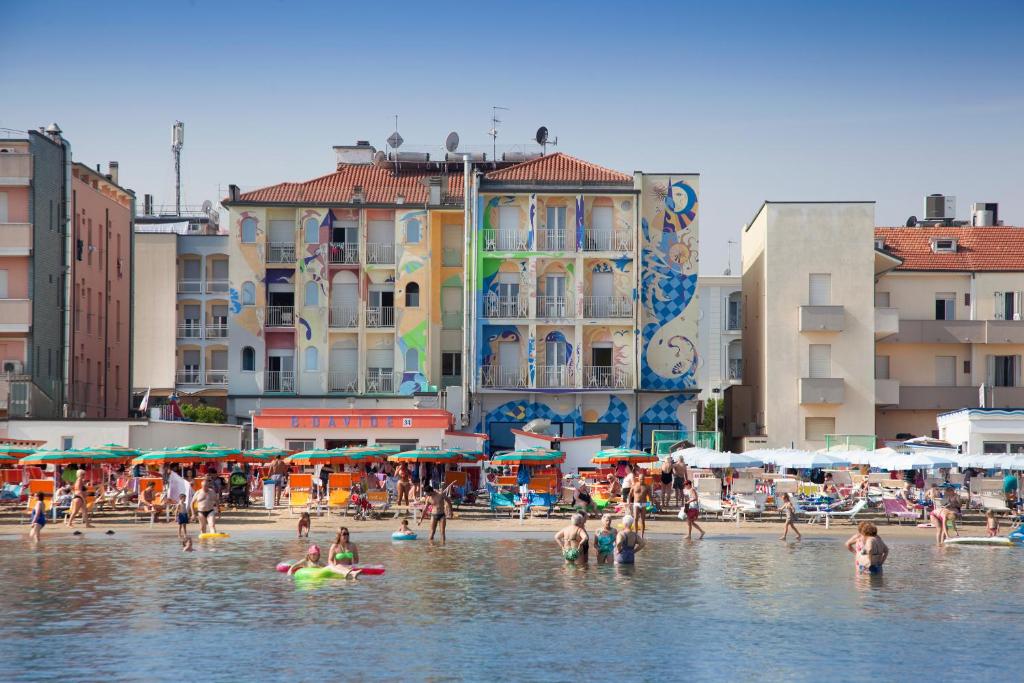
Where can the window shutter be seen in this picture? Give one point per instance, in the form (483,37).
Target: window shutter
(819,360)
(1016,371)
(820,289)
(990,370)
(999,306)
(1016,305)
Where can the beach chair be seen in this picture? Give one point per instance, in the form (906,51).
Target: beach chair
(379,501)
(708,487)
(300,492)
(897,508)
(743,486)
(36,486)
(158,500)
(503,501)
(750,504)
(339,491)
(508,481)
(460,480)
(832,512)
(715,507)
(994,502)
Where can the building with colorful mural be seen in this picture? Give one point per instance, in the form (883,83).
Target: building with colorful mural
(584,288)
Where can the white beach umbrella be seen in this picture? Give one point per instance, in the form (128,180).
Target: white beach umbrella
(998,461)
(688,454)
(795,459)
(910,461)
(721,460)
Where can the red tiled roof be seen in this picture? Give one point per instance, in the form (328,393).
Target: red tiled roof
(380,186)
(978,249)
(559,168)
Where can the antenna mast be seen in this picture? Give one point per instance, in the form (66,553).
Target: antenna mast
(728,268)
(177,142)
(493,132)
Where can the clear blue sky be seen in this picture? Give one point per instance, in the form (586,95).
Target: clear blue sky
(787,101)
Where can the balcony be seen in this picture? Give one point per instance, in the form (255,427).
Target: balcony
(190,286)
(216,331)
(343,381)
(940,332)
(607,307)
(887,392)
(735,370)
(280,252)
(452,320)
(1004,332)
(938,398)
(451,257)
(555,307)
(188,378)
(822,318)
(279,381)
(15,168)
(190,330)
(606,377)
(822,390)
(506,307)
(380,253)
(15,239)
(887,322)
(217,286)
(451,380)
(380,316)
(496,377)
(279,316)
(607,240)
(217,378)
(15,315)
(555,240)
(344,317)
(342,252)
(503,240)
(380,381)
(556,376)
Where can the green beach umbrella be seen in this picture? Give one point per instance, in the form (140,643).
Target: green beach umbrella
(436,455)
(9,452)
(529,456)
(611,456)
(69,457)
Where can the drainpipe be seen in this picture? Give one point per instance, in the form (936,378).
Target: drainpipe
(467,259)
(66,267)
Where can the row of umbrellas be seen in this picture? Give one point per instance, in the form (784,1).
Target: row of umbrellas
(881,458)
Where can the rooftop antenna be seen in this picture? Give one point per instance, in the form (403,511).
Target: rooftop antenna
(177,142)
(451,143)
(543,140)
(395,141)
(728,268)
(493,132)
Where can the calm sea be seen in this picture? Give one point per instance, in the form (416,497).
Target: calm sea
(492,607)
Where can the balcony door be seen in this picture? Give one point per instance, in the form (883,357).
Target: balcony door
(819,360)
(192,318)
(508,356)
(601,220)
(602,288)
(344,365)
(382,296)
(554,293)
(190,361)
(280,370)
(601,365)
(508,227)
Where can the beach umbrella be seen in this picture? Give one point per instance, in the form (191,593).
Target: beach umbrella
(611,456)
(994,461)
(788,458)
(722,460)
(688,454)
(435,455)
(266,453)
(116,449)
(909,461)
(68,457)
(529,456)
(168,456)
(213,451)
(10,452)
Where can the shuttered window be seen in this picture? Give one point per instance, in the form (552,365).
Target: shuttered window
(819,360)
(820,289)
(380,358)
(816,428)
(945,371)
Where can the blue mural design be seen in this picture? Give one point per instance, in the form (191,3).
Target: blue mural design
(309,330)
(531,359)
(524,411)
(532,237)
(665,411)
(236,301)
(618,413)
(579,222)
(412,381)
(494,334)
(557,336)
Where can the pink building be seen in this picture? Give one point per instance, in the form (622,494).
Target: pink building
(15,252)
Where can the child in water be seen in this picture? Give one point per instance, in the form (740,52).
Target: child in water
(991,523)
(403,528)
(304,523)
(181,511)
(312,559)
(186,544)
(789,512)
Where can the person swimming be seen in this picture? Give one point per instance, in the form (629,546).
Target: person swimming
(343,552)
(312,559)
(404,529)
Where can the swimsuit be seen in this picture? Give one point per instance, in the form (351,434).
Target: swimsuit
(666,477)
(182,518)
(437,516)
(38,518)
(206,513)
(605,544)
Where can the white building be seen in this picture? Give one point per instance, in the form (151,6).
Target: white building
(719,344)
(984,430)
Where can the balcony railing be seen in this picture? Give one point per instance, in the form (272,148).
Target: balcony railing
(380,316)
(217,378)
(607,307)
(279,316)
(190,286)
(506,307)
(342,381)
(216,331)
(380,253)
(16,238)
(452,320)
(217,286)
(732,322)
(342,252)
(556,376)
(379,381)
(16,165)
(503,240)
(451,257)
(555,307)
(555,240)
(606,377)
(735,370)
(607,240)
(451,380)
(495,376)
(280,252)
(188,377)
(192,330)
(344,316)
(281,381)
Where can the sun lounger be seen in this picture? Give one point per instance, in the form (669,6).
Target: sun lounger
(831,513)
(45,486)
(379,503)
(993,501)
(501,500)
(897,508)
(749,504)
(300,492)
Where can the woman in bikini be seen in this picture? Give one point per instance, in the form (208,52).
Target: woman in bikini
(403,484)
(869,551)
(628,543)
(78,506)
(574,541)
(343,552)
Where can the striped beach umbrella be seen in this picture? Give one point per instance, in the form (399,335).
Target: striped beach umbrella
(69,457)
(10,452)
(529,456)
(114,449)
(611,456)
(434,455)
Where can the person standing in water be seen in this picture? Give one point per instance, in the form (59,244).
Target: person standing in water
(640,494)
(441,509)
(869,551)
(788,511)
(343,551)
(206,505)
(38,518)
(605,538)
(627,543)
(574,541)
(692,510)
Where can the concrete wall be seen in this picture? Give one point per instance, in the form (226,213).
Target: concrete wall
(154,314)
(135,433)
(713,337)
(159,434)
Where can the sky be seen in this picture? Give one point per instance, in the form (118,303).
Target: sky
(885,101)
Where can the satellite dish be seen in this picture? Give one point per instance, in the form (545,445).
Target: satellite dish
(379,158)
(912,221)
(542,135)
(207,207)
(395,141)
(451,143)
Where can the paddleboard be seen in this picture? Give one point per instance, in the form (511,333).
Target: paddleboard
(981,540)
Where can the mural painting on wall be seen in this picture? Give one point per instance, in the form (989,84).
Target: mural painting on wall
(412,319)
(669,281)
(245,292)
(617,412)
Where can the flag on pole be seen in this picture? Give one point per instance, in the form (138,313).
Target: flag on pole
(144,406)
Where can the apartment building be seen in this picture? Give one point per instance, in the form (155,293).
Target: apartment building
(584,287)
(951,334)
(348,286)
(808,324)
(181,309)
(720,339)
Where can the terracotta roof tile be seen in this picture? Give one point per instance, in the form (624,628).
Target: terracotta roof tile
(379,185)
(559,168)
(978,249)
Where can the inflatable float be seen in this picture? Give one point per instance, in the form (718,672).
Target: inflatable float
(984,540)
(211,535)
(312,572)
(411,536)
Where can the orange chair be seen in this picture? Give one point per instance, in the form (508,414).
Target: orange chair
(39,486)
(339,491)
(300,492)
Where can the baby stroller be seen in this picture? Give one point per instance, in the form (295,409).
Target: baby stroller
(238,490)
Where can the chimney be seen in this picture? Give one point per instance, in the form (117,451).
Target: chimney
(357,194)
(434,183)
(147,204)
(113,172)
(233,193)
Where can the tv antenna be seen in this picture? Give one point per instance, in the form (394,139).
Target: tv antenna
(493,132)
(395,141)
(451,143)
(728,268)
(177,142)
(543,140)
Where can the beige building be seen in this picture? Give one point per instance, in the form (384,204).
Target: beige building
(808,324)
(953,307)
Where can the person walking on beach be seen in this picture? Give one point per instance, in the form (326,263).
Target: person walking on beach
(640,495)
(574,540)
(691,511)
(666,481)
(78,506)
(38,518)
(627,543)
(278,471)
(441,509)
(679,477)
(788,511)
(206,505)
(869,551)
(605,539)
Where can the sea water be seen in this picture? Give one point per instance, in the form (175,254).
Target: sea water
(490,607)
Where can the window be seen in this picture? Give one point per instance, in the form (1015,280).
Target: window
(67,443)
(453,245)
(1004,371)
(248,359)
(312,294)
(412,295)
(248,230)
(1008,305)
(297,445)
(945,306)
(880,244)
(412,232)
(248,294)
(819,357)
(999,447)
(820,289)
(734,312)
(882,299)
(943,245)
(312,356)
(3,284)
(451,364)
(881,367)
(556,218)
(816,428)
(312,230)
(945,371)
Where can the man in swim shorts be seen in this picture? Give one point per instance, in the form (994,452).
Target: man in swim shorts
(640,495)
(441,508)
(679,477)
(278,471)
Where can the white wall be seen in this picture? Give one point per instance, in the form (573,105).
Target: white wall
(425,438)
(713,339)
(133,433)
